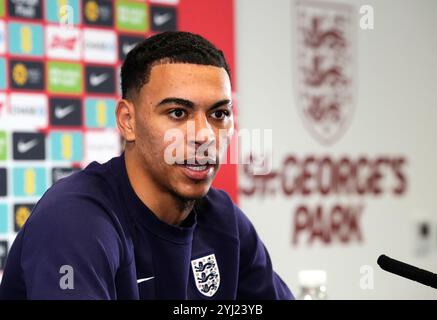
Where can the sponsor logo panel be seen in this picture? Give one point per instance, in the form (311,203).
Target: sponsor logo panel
(65,112)
(127,43)
(63,43)
(28,146)
(25,9)
(3,182)
(66,146)
(29,181)
(101,146)
(3,253)
(25,111)
(2,37)
(98,13)
(26,75)
(3,81)
(3,145)
(25,39)
(63,11)
(163,18)
(64,77)
(100,79)
(4,221)
(132,16)
(100,113)
(100,46)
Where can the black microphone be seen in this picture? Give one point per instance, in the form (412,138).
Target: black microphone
(407,271)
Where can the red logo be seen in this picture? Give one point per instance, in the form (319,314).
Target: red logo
(325,68)
(63,43)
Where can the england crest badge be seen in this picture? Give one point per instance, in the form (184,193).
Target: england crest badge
(206,274)
(326,70)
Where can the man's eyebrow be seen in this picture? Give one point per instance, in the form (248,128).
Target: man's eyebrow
(190,104)
(179,101)
(221,103)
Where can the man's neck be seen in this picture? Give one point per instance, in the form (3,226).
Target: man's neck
(166,206)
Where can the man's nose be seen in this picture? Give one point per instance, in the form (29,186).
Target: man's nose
(204,133)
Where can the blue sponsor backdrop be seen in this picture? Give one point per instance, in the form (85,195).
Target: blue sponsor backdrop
(43,140)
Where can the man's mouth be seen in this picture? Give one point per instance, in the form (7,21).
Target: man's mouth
(198,170)
(199,161)
(196,167)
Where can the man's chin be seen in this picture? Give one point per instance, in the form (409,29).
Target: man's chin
(193,192)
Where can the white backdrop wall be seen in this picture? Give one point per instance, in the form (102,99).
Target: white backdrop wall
(395,101)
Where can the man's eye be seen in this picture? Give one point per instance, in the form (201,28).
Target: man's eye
(220,114)
(177,113)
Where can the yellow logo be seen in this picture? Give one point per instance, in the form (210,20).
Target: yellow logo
(67,146)
(21,216)
(101,113)
(29,182)
(19,74)
(92,11)
(26,39)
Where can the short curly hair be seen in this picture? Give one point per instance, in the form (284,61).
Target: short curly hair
(166,47)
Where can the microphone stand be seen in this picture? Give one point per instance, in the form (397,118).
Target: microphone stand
(408,271)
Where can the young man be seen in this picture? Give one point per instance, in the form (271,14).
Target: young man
(147,224)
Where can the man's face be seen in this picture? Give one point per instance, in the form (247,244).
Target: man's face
(183,114)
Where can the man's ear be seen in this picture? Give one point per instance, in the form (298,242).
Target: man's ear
(125,114)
